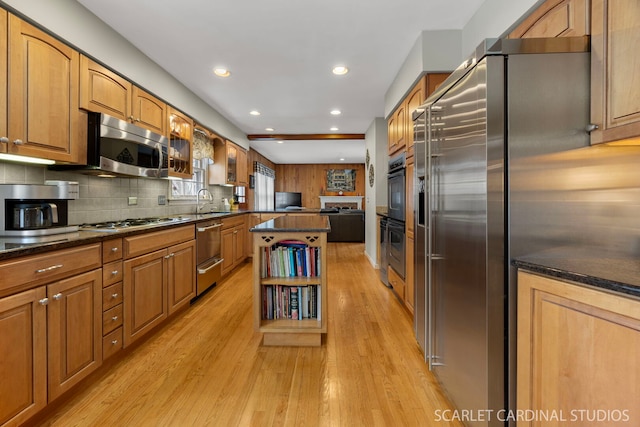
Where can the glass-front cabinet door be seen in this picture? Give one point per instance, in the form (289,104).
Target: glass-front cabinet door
(180,151)
(232,163)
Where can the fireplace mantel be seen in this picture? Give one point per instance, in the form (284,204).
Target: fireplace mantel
(340,199)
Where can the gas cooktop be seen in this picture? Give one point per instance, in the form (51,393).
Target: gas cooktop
(129,224)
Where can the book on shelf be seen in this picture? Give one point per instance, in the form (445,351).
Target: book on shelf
(290,259)
(290,302)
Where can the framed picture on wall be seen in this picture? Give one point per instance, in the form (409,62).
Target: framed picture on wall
(341,180)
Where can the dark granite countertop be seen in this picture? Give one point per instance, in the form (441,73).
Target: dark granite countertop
(12,247)
(609,271)
(304,223)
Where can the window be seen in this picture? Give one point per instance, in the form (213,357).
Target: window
(264,190)
(187,189)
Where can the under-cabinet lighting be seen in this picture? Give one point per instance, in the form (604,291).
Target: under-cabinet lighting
(25,159)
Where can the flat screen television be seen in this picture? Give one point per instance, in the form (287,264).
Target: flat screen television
(287,200)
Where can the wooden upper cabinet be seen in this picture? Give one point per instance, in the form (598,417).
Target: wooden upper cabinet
(180,144)
(3,78)
(148,111)
(400,124)
(43,115)
(615,61)
(555,18)
(104,91)
(242,168)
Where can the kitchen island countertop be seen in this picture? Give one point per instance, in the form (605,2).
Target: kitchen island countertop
(305,223)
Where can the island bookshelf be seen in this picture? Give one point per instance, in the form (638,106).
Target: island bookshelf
(289,257)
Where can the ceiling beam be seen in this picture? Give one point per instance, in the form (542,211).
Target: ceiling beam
(304,136)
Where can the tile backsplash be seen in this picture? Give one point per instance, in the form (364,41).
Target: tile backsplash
(106,199)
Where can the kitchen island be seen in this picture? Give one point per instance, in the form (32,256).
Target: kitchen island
(290,280)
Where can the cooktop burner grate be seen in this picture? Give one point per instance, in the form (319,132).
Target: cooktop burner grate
(129,223)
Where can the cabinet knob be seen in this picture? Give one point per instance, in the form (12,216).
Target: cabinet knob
(114,296)
(114,272)
(114,342)
(114,249)
(4,140)
(131,118)
(171,255)
(18,142)
(114,318)
(57,297)
(44,301)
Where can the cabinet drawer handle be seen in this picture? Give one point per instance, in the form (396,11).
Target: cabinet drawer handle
(18,142)
(53,267)
(44,301)
(4,140)
(171,255)
(114,296)
(114,249)
(114,318)
(114,272)
(57,297)
(114,342)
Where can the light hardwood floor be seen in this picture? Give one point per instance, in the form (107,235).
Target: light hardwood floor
(208,368)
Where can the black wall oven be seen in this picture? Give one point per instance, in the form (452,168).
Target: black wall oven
(396,188)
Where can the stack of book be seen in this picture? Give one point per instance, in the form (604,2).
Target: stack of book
(290,302)
(290,258)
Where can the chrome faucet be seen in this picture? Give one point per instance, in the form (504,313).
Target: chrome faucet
(199,207)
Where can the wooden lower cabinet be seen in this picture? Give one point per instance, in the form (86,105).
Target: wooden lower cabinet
(157,285)
(51,338)
(74,325)
(233,242)
(181,275)
(396,282)
(23,360)
(577,352)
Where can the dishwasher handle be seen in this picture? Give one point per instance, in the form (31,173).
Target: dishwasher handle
(203,229)
(206,269)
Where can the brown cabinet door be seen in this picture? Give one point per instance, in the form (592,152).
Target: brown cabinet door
(615,60)
(239,244)
(74,324)
(145,294)
(44,118)
(103,91)
(148,111)
(182,279)
(242,168)
(23,359)
(3,83)
(577,350)
(555,18)
(227,248)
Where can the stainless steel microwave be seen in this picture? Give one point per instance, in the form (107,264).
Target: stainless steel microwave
(119,148)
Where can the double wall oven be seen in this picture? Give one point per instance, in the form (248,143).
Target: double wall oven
(396,187)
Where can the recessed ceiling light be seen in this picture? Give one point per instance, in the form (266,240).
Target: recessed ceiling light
(342,159)
(254,112)
(269,129)
(340,70)
(280,142)
(336,112)
(221,72)
(334,129)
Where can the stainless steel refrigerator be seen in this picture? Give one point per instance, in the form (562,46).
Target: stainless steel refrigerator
(510,100)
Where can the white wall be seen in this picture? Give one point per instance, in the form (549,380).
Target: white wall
(444,50)
(376,142)
(83,30)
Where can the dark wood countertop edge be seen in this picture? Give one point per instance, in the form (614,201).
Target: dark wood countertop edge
(585,279)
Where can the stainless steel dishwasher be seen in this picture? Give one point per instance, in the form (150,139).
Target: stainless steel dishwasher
(208,255)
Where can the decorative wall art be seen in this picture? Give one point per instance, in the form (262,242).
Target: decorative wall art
(371,175)
(341,180)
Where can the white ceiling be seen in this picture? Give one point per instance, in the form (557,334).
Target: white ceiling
(280,54)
